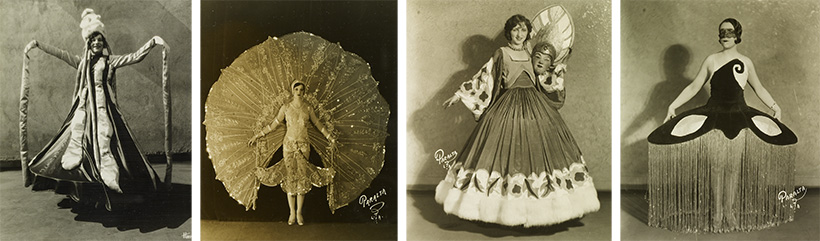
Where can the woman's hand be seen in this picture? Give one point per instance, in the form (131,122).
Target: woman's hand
(777,111)
(452,100)
(558,83)
(30,45)
(669,114)
(254,140)
(159,41)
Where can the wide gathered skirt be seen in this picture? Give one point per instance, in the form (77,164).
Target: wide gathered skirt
(520,166)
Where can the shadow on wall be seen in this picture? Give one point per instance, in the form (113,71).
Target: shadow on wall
(438,128)
(675,61)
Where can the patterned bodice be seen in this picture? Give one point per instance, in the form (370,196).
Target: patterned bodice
(517,66)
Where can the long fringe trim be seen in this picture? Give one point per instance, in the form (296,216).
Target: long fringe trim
(529,211)
(714,184)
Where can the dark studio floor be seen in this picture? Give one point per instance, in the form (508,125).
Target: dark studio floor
(225,230)
(634,210)
(44,215)
(426,220)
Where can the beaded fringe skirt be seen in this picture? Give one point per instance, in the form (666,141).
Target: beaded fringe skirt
(715,184)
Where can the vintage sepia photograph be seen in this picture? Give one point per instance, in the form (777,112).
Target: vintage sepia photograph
(96,120)
(718,120)
(509,120)
(299,120)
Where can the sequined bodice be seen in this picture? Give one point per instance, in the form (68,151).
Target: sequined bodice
(296,119)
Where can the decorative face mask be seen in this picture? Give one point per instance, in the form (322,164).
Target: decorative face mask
(727,33)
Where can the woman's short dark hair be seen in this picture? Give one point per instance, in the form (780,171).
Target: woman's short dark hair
(298,84)
(93,35)
(736,25)
(515,20)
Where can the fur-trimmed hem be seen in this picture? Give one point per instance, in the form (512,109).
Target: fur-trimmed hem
(555,208)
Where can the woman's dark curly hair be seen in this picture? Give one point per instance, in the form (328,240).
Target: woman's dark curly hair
(515,20)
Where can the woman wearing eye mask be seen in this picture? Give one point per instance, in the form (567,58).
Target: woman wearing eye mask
(738,157)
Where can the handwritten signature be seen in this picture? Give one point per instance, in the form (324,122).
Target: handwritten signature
(374,204)
(793,197)
(446,161)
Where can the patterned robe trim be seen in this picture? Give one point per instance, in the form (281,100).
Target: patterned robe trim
(520,185)
(519,199)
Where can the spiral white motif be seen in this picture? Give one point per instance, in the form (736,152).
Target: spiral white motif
(740,74)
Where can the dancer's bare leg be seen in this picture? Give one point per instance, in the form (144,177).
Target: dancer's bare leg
(299,200)
(292,206)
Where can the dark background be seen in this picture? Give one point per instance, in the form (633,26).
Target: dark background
(367,29)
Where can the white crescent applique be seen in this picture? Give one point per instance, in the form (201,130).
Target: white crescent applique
(766,125)
(688,125)
(741,78)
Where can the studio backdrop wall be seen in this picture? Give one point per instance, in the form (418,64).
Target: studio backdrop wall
(128,25)
(663,45)
(449,41)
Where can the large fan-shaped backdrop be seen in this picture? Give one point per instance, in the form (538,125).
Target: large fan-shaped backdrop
(341,90)
(554,25)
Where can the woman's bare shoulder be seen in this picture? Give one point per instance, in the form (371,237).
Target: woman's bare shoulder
(709,62)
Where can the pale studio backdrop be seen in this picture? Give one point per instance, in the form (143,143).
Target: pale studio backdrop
(128,25)
(448,41)
(664,43)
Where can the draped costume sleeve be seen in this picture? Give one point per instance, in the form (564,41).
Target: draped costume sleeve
(117,61)
(477,93)
(72,60)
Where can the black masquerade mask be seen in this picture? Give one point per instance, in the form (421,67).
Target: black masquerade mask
(727,33)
